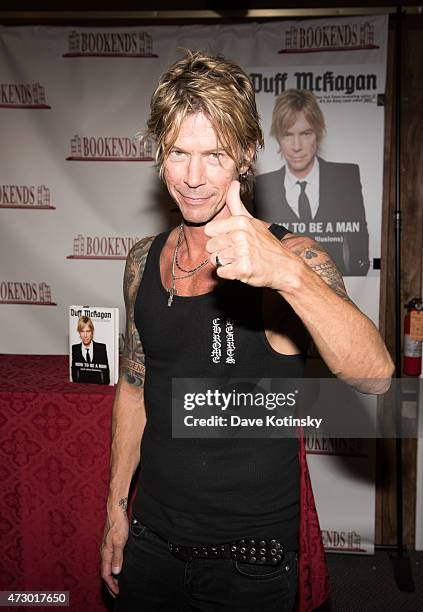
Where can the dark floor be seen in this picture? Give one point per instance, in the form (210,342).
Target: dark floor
(362,583)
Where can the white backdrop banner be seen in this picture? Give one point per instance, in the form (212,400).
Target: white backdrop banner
(77,190)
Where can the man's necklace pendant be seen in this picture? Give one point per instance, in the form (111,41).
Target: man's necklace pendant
(171,291)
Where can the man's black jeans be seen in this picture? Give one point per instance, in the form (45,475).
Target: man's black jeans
(152,579)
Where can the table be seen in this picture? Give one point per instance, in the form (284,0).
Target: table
(54,465)
(54,458)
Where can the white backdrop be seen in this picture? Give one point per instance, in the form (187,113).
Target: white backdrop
(76,192)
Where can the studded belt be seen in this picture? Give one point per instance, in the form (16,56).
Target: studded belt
(260,552)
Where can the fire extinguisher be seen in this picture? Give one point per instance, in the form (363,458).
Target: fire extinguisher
(412,348)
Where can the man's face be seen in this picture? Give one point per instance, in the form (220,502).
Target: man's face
(198,172)
(86,335)
(299,146)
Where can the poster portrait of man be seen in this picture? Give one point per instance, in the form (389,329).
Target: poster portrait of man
(89,358)
(310,195)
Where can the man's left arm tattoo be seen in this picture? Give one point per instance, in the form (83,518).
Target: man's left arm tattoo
(319,261)
(331,275)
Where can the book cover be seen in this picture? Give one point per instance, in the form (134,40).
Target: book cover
(93,345)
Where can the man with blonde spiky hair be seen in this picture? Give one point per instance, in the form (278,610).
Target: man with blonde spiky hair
(220,90)
(215,522)
(309,194)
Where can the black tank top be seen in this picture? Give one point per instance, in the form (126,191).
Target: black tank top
(195,491)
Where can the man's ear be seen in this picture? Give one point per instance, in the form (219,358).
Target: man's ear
(248,160)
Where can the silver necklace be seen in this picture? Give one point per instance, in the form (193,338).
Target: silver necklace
(172,289)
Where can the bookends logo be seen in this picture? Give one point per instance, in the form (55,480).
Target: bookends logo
(102,247)
(342,541)
(111,148)
(323,445)
(30,197)
(29,293)
(336,37)
(23,95)
(110,44)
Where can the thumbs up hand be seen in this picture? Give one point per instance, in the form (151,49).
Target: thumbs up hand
(242,248)
(234,202)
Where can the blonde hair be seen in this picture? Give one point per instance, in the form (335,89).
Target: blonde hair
(289,104)
(219,89)
(82,321)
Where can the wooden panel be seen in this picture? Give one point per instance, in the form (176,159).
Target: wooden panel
(412,221)
(411,258)
(385,450)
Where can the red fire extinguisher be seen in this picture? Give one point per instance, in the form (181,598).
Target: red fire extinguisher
(412,348)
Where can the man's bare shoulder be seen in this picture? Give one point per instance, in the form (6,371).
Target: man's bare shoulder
(133,360)
(318,260)
(135,261)
(140,249)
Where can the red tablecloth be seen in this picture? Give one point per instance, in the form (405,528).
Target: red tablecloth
(54,458)
(54,455)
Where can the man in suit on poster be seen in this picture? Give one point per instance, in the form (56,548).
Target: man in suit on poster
(89,358)
(309,194)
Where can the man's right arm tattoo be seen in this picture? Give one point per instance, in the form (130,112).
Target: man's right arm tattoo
(123,503)
(133,359)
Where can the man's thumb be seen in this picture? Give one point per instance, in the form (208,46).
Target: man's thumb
(233,200)
(117,561)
